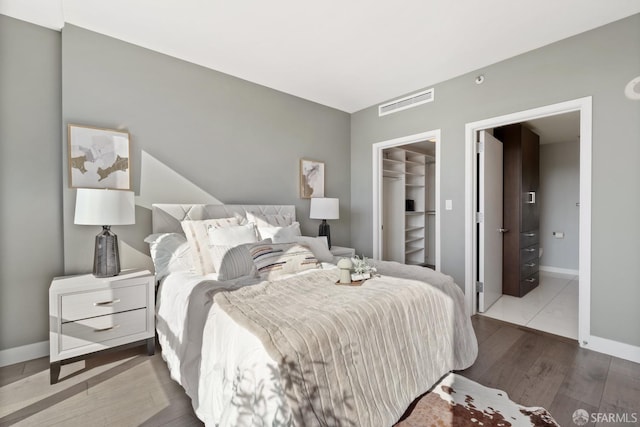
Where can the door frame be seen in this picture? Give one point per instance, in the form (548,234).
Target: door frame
(377,157)
(584,106)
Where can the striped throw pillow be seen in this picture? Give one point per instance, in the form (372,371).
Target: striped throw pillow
(273,260)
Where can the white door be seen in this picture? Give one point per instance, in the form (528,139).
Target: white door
(490,225)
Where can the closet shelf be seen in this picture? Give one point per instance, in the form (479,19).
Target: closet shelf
(413,239)
(414,228)
(397,162)
(391,172)
(416,213)
(411,250)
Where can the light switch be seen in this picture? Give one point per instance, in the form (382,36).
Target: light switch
(448,205)
(558,234)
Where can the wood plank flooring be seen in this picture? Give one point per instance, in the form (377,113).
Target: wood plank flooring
(129,388)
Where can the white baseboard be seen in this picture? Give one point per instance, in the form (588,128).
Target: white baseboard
(24,353)
(559,270)
(614,348)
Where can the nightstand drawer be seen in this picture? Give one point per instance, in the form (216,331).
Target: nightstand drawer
(100,302)
(103,328)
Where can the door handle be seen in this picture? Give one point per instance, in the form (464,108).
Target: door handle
(531,197)
(502,230)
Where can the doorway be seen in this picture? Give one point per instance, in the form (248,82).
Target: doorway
(406,199)
(473,250)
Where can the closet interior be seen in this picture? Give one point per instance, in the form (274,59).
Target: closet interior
(408,201)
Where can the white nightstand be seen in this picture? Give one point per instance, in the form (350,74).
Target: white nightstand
(340,251)
(88,314)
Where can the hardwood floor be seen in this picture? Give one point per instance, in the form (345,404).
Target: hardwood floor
(129,388)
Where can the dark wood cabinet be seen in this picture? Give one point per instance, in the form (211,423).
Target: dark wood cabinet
(521,214)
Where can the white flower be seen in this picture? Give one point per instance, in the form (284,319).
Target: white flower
(361,266)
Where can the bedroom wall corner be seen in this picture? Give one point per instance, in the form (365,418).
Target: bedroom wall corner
(209,133)
(30,211)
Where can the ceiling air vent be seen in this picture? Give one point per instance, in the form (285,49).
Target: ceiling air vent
(407,102)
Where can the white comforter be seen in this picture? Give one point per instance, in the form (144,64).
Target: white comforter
(225,369)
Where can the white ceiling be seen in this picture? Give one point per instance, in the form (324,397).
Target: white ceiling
(345,54)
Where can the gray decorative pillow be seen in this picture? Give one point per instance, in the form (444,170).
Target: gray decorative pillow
(232,262)
(274,260)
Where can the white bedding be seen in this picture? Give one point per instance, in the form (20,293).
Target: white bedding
(225,369)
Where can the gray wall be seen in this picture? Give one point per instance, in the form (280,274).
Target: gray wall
(559,193)
(30,152)
(597,63)
(238,141)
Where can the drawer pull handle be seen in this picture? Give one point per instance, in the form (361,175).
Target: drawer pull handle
(530,234)
(103,303)
(530,250)
(530,280)
(107,329)
(531,264)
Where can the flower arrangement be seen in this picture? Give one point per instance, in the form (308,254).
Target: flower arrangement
(362,269)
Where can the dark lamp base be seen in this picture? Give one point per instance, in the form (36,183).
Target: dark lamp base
(106,259)
(324,230)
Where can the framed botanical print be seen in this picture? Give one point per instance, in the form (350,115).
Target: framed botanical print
(311,179)
(98,158)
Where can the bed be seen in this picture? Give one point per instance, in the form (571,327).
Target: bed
(272,344)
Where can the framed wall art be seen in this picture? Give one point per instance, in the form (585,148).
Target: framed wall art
(311,179)
(98,158)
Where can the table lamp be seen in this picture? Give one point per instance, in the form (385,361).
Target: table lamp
(105,208)
(324,208)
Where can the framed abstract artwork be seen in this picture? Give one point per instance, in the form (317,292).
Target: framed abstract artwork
(311,179)
(98,158)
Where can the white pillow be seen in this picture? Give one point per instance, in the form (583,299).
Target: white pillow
(273,220)
(318,246)
(170,253)
(233,235)
(232,262)
(286,234)
(273,260)
(196,232)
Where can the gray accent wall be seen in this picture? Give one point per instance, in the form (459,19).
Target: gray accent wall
(598,63)
(30,194)
(559,193)
(238,141)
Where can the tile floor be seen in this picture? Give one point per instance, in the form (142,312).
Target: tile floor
(551,307)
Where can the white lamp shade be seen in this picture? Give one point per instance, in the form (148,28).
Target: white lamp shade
(324,208)
(104,207)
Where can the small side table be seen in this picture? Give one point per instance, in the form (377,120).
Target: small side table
(343,252)
(89,314)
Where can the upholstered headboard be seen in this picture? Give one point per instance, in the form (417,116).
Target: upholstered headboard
(166,217)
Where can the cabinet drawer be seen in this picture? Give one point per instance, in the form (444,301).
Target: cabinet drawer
(527,268)
(529,253)
(528,238)
(83,305)
(102,328)
(529,283)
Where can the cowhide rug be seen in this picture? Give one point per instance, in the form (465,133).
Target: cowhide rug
(457,402)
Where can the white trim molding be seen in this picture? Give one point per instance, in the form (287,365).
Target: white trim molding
(377,186)
(584,106)
(558,270)
(23,353)
(612,348)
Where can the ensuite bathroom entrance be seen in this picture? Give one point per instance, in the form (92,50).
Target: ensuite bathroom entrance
(529,245)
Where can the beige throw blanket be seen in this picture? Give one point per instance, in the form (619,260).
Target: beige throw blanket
(355,356)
